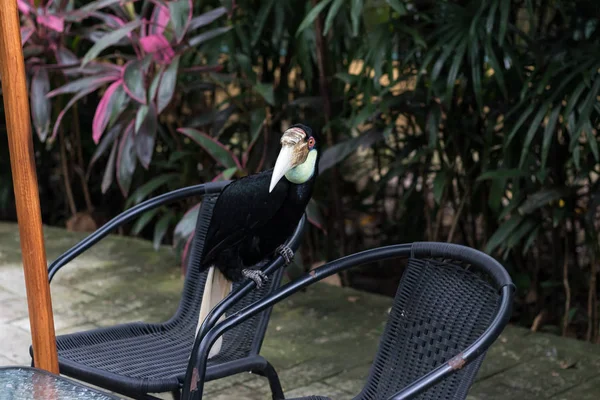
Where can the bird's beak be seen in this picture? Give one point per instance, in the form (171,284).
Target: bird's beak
(293,153)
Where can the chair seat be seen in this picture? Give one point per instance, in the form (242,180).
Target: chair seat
(142,357)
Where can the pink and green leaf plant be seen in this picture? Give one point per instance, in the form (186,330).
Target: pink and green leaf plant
(133,63)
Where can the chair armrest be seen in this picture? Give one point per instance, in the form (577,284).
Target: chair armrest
(229,301)
(198,358)
(128,215)
(468,355)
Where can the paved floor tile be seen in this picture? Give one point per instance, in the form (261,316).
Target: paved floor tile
(319,389)
(13,309)
(5,294)
(12,279)
(588,390)
(14,344)
(61,323)
(350,380)
(4,361)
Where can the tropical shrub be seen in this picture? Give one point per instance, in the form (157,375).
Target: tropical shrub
(464,121)
(490,117)
(131,57)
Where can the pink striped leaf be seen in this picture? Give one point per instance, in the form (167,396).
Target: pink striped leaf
(110,20)
(94,84)
(145,136)
(126,160)
(225,175)
(185,252)
(166,87)
(119,103)
(160,229)
(101,69)
(109,171)
(133,78)
(159,20)
(40,104)
(181,16)
(155,82)
(24,6)
(205,36)
(314,216)
(105,142)
(89,9)
(216,149)
(184,232)
(81,84)
(104,110)
(186,225)
(53,22)
(206,18)
(26,32)
(66,57)
(159,47)
(108,40)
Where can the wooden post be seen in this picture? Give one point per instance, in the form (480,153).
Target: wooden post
(16,107)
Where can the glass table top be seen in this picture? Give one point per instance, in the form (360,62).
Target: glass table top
(25,383)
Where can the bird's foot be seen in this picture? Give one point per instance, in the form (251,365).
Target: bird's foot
(259,277)
(286,253)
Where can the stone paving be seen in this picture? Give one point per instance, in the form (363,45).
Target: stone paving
(321,341)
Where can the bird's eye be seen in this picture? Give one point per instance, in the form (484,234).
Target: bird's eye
(311,142)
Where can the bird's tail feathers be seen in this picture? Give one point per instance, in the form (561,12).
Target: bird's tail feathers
(217,287)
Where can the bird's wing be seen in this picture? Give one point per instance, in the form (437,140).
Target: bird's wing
(244,206)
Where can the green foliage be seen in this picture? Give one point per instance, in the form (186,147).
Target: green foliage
(469,121)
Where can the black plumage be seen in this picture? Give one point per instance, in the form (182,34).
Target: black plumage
(249,224)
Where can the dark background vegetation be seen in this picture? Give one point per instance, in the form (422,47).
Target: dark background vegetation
(470,121)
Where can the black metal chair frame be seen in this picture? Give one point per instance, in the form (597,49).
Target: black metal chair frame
(256,364)
(470,354)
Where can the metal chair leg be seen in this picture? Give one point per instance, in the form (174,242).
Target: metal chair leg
(274,383)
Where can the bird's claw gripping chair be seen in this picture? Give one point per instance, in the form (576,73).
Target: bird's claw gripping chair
(451,304)
(136,359)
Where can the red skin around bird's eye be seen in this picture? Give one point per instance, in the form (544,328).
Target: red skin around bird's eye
(311,142)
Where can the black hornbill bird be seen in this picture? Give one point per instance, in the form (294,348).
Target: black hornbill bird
(254,215)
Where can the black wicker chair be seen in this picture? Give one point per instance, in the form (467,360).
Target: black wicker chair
(450,306)
(136,359)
